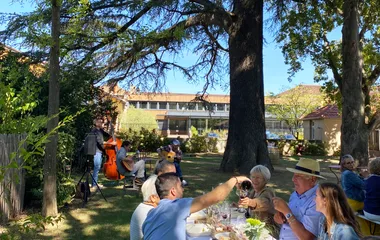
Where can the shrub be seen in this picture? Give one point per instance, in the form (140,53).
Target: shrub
(316,148)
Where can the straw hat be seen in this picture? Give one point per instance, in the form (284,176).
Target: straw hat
(307,167)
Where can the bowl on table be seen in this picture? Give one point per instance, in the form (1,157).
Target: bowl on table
(198,230)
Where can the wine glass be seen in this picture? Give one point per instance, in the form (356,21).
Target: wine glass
(225,213)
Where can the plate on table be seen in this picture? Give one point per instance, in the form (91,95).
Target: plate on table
(223,236)
(198,215)
(198,230)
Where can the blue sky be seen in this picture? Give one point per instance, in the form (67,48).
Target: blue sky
(275,70)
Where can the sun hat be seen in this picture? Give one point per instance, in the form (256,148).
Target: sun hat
(308,167)
(176,142)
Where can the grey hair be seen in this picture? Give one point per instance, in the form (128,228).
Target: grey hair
(343,160)
(264,171)
(374,166)
(148,188)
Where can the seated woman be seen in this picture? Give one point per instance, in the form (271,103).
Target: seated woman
(260,199)
(372,188)
(151,201)
(352,183)
(339,221)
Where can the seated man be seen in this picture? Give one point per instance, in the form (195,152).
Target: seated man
(173,147)
(300,219)
(168,219)
(137,168)
(164,167)
(150,201)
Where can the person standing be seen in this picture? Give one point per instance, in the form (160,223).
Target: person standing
(99,133)
(173,147)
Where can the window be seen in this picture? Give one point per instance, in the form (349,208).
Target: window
(191,106)
(134,104)
(162,105)
(277,125)
(173,106)
(177,125)
(152,105)
(182,106)
(220,107)
(227,107)
(143,105)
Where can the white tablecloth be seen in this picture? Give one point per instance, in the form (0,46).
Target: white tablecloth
(233,221)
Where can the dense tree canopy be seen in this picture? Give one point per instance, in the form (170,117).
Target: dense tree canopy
(137,42)
(312,29)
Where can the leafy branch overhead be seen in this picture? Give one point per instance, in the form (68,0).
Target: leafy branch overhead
(313,29)
(133,40)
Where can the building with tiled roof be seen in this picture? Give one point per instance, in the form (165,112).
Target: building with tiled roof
(325,124)
(175,113)
(326,112)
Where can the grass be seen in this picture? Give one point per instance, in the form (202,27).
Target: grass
(110,220)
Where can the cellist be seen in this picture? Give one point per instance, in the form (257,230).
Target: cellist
(99,132)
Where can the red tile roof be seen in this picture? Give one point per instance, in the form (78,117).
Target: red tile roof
(329,111)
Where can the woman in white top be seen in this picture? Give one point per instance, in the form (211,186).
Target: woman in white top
(151,200)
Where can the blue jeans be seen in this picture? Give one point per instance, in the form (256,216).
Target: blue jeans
(178,169)
(97,164)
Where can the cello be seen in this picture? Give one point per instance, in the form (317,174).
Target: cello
(110,166)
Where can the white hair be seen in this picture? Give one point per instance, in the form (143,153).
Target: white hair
(149,188)
(264,171)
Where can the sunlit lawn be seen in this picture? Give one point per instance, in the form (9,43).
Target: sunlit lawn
(110,220)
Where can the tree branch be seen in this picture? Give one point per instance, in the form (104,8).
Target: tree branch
(331,64)
(213,39)
(375,74)
(375,121)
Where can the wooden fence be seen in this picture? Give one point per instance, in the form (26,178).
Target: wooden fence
(12,188)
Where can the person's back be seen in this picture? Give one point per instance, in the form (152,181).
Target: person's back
(168,220)
(353,185)
(137,220)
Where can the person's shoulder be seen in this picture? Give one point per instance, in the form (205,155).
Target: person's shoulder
(268,191)
(345,230)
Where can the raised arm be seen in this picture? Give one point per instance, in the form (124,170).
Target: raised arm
(216,195)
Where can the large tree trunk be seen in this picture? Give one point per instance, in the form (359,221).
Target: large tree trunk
(355,131)
(246,146)
(49,205)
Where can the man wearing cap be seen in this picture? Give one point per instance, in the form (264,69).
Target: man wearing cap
(299,218)
(173,147)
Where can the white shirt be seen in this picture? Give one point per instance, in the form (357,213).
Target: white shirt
(137,220)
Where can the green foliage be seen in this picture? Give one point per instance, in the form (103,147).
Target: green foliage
(312,29)
(200,143)
(313,148)
(19,91)
(316,148)
(30,227)
(149,140)
(292,104)
(126,40)
(136,119)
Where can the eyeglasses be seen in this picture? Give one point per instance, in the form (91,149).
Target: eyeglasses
(351,162)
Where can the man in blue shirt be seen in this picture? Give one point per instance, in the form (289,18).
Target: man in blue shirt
(168,219)
(299,219)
